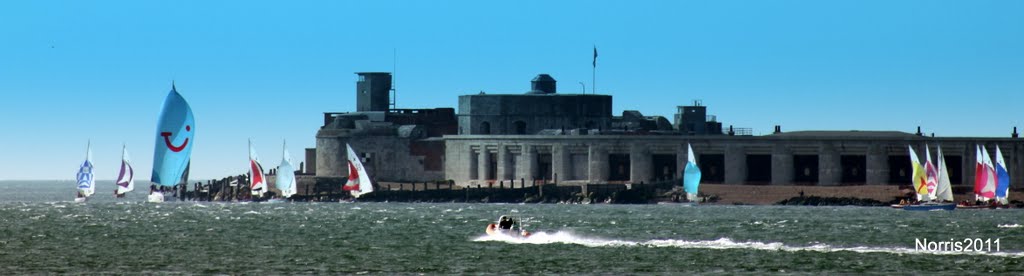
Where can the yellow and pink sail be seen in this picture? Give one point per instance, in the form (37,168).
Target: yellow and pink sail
(918,177)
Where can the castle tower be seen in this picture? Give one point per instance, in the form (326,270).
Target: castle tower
(373,91)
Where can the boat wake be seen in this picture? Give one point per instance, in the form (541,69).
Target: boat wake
(1009,226)
(724,244)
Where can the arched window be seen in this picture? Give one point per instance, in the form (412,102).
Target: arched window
(520,127)
(485,128)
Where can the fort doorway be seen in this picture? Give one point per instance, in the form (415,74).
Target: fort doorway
(520,127)
(485,128)
(954,166)
(473,163)
(492,166)
(618,167)
(900,170)
(853,169)
(544,166)
(664,166)
(759,168)
(712,168)
(805,169)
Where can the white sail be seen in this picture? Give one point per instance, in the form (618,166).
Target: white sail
(257,181)
(944,189)
(286,174)
(358,181)
(126,177)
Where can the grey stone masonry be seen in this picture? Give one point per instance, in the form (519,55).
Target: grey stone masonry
(880,152)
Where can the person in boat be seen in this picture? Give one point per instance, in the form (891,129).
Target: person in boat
(505,223)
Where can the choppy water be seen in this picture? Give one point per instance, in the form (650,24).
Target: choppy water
(42,231)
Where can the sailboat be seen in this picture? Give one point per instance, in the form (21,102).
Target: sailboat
(175,136)
(979,173)
(358,181)
(930,173)
(918,177)
(86,181)
(126,178)
(943,189)
(691,175)
(286,175)
(926,184)
(257,181)
(691,180)
(984,175)
(1002,178)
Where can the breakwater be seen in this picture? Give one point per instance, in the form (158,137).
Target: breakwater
(540,191)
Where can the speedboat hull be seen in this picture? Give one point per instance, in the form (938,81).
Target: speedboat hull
(493,230)
(156,197)
(681,204)
(931,207)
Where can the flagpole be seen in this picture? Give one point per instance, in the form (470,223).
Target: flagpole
(593,74)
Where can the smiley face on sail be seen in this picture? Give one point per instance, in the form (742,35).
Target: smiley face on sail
(170,145)
(175,135)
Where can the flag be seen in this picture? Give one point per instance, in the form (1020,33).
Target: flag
(595,56)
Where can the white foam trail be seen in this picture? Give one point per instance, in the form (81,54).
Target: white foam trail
(724,244)
(1009,226)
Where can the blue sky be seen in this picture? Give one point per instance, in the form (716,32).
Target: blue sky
(74,71)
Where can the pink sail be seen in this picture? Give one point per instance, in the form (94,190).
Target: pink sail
(988,188)
(979,171)
(931,174)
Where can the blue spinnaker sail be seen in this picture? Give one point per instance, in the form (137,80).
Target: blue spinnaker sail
(86,181)
(175,136)
(1002,176)
(691,174)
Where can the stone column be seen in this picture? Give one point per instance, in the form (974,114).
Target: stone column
(484,164)
(680,161)
(528,167)
(877,167)
(1017,175)
(598,164)
(829,168)
(782,165)
(639,163)
(968,166)
(330,156)
(560,163)
(735,164)
(504,166)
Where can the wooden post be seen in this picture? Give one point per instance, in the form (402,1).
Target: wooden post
(540,190)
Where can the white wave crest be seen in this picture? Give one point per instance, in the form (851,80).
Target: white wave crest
(1009,225)
(723,244)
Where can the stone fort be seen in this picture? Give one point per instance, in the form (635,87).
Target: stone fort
(574,139)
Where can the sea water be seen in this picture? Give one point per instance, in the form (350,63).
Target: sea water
(43,231)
